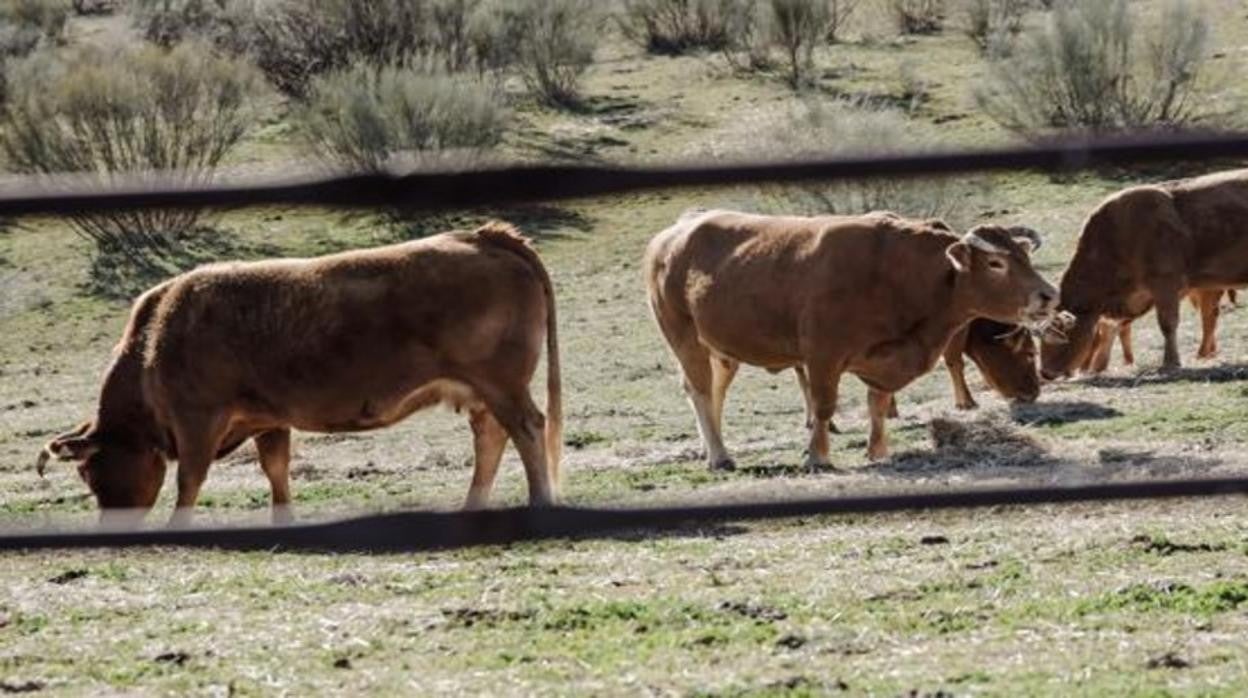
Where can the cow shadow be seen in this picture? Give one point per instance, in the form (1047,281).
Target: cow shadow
(118,276)
(1058,413)
(1222,373)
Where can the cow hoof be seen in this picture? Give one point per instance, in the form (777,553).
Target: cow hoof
(282,516)
(968,405)
(832,429)
(1169,368)
(875,454)
(725,465)
(813,464)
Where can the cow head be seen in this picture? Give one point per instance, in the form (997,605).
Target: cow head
(1006,356)
(122,471)
(995,276)
(1068,343)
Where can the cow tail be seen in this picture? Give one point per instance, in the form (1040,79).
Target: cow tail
(506,236)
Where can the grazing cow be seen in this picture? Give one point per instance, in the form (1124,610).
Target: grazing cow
(874,295)
(346,342)
(1147,247)
(1208,302)
(1005,355)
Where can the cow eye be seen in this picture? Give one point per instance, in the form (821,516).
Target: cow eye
(997,265)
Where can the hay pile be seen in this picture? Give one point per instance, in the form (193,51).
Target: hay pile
(988,441)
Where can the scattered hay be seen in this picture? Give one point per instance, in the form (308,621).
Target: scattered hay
(989,441)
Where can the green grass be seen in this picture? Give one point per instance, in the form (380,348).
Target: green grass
(1139,598)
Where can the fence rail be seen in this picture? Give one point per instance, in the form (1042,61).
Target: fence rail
(430,191)
(426,531)
(427,191)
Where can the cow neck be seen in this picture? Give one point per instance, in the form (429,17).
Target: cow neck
(935,330)
(123,413)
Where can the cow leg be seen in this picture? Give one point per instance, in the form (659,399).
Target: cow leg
(722,372)
(804,383)
(1102,349)
(1124,339)
(892,407)
(525,424)
(878,403)
(489,439)
(698,383)
(274,449)
(1167,300)
(955,364)
(823,388)
(198,438)
(1208,302)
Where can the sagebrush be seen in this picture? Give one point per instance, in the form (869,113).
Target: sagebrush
(1096,66)
(366,118)
(110,113)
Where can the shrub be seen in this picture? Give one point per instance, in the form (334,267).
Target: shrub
(758,28)
(365,118)
(990,23)
(1091,68)
(25,25)
(551,42)
(677,26)
(297,40)
(129,112)
(918,16)
(844,128)
(94,7)
(797,26)
(225,23)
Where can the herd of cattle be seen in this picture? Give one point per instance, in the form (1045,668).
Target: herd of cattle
(360,340)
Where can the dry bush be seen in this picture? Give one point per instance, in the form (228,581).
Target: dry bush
(364,118)
(918,16)
(26,25)
(844,129)
(1092,66)
(296,40)
(991,24)
(758,29)
(225,23)
(549,42)
(672,27)
(128,112)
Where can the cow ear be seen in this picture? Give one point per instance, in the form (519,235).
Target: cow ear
(1027,237)
(959,254)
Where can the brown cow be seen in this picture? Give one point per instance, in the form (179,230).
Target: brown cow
(1149,246)
(873,295)
(1005,355)
(346,342)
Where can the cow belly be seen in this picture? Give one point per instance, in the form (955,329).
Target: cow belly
(361,413)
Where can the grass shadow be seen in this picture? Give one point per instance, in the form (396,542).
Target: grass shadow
(1224,373)
(538,221)
(1115,461)
(120,277)
(1049,414)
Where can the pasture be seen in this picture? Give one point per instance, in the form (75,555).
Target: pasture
(1134,598)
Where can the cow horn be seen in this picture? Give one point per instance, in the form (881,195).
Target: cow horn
(1029,234)
(974,240)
